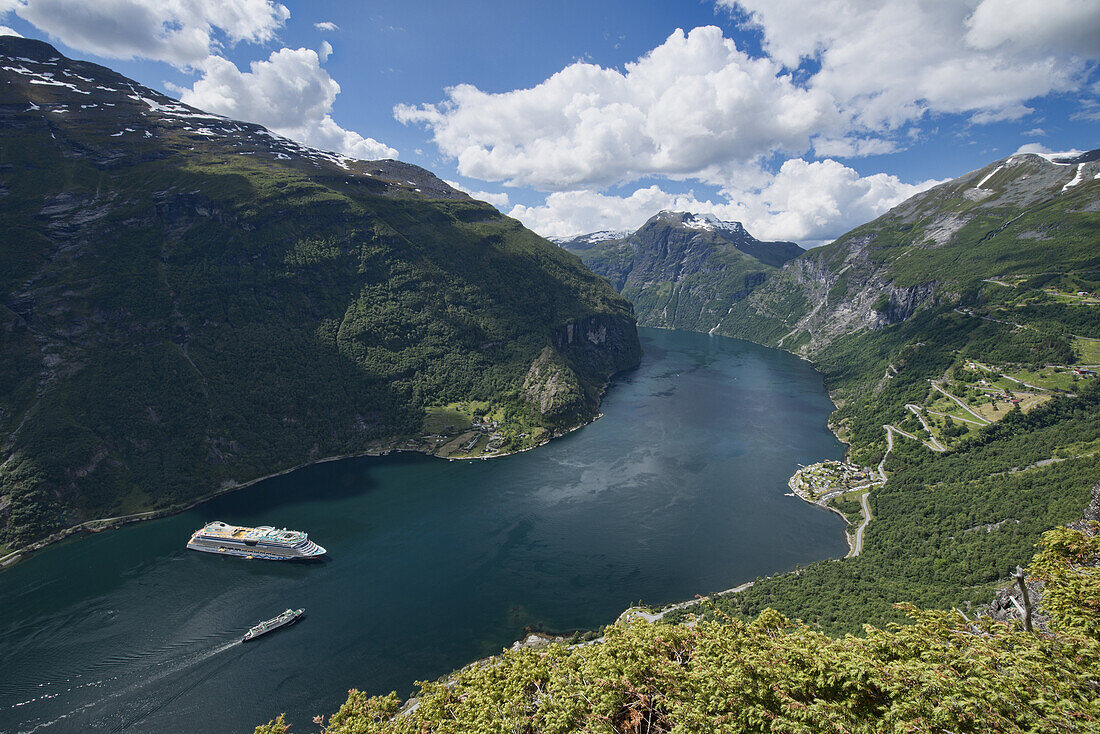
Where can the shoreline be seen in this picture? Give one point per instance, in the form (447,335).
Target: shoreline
(98,525)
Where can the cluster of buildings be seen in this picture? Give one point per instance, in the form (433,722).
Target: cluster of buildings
(484,425)
(817,479)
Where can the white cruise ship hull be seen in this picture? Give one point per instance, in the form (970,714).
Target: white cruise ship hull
(267,554)
(262,543)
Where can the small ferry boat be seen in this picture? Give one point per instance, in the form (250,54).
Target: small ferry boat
(288,617)
(263,542)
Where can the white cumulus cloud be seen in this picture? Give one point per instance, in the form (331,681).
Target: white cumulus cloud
(289,93)
(9,31)
(698,107)
(809,202)
(180,32)
(692,106)
(1071,26)
(888,62)
(326,25)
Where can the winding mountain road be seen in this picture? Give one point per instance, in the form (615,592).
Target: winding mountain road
(857,542)
(960,403)
(932,442)
(889,448)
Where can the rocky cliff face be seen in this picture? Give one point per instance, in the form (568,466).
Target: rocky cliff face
(189,302)
(683,270)
(1024,215)
(556,385)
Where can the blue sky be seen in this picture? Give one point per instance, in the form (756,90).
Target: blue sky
(801,119)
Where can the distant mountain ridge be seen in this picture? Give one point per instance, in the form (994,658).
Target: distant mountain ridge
(189,302)
(683,270)
(585,241)
(1024,215)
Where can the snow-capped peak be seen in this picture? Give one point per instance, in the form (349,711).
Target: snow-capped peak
(608,234)
(709,222)
(1063,158)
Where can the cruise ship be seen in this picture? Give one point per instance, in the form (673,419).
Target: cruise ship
(264,542)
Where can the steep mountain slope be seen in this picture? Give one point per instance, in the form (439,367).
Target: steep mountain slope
(983,268)
(959,335)
(188,302)
(682,271)
(1023,215)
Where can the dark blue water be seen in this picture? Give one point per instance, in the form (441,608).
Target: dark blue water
(678,490)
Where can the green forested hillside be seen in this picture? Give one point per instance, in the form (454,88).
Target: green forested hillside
(944,318)
(947,530)
(188,302)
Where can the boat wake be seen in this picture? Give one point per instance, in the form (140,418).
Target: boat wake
(146,676)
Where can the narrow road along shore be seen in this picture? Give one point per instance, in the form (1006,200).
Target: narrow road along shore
(857,542)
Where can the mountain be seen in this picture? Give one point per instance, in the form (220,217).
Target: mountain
(959,336)
(682,270)
(189,302)
(1021,217)
(985,268)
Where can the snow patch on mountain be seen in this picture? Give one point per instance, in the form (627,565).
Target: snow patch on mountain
(988,176)
(1063,158)
(1078,178)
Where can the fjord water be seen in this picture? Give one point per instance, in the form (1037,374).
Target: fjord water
(678,490)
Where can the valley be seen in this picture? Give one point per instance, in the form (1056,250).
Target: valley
(204,317)
(431,564)
(966,395)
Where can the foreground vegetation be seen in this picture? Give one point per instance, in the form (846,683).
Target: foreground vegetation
(942,671)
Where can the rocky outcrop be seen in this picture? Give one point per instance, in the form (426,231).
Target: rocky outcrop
(553,389)
(1004,608)
(1091,514)
(599,344)
(559,384)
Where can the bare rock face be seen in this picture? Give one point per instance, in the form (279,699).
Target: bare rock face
(553,388)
